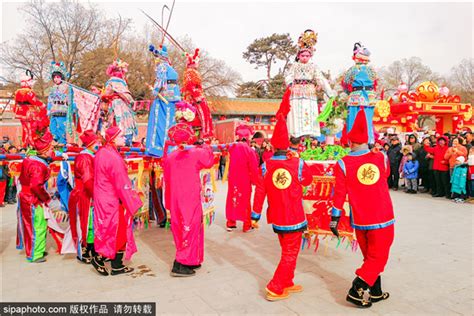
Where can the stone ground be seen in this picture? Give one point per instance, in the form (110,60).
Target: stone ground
(430,270)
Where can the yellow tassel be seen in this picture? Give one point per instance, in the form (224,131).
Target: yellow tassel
(226,169)
(141,167)
(213,179)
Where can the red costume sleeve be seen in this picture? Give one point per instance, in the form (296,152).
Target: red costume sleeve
(206,157)
(86,166)
(253,165)
(429,149)
(123,187)
(37,182)
(260,194)
(306,176)
(340,190)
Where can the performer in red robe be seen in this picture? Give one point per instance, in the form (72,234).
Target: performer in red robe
(80,199)
(115,204)
(183,198)
(282,179)
(33,198)
(193,93)
(359,175)
(30,111)
(243,170)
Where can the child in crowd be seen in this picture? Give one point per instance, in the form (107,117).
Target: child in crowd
(410,173)
(405,151)
(458,180)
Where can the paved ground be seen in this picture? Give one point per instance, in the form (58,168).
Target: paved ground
(430,269)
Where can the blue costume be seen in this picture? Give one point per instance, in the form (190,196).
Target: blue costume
(161,116)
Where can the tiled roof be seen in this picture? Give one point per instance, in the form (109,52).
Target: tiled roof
(242,106)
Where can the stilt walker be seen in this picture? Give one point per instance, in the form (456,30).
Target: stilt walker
(33,198)
(243,170)
(80,201)
(183,198)
(361,174)
(115,204)
(282,179)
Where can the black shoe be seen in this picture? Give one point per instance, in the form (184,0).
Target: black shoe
(413,192)
(438,195)
(449,197)
(180,270)
(117,265)
(98,264)
(376,293)
(356,294)
(196,267)
(395,189)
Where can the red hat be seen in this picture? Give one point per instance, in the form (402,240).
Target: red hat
(43,143)
(281,138)
(181,133)
(111,133)
(359,132)
(89,138)
(244,131)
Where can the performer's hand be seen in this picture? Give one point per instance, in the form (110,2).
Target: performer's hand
(255,224)
(65,156)
(333,225)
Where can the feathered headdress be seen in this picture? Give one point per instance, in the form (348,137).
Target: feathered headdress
(59,68)
(192,60)
(307,41)
(160,52)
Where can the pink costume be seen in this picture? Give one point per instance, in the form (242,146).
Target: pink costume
(183,199)
(243,170)
(113,194)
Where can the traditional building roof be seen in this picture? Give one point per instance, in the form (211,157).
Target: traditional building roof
(243,106)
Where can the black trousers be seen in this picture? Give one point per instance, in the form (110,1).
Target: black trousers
(426,176)
(394,177)
(442,183)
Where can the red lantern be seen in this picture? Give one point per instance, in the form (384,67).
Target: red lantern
(247,119)
(273,119)
(222,117)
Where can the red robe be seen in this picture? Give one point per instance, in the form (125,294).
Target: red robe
(80,199)
(32,226)
(183,199)
(32,114)
(243,171)
(362,175)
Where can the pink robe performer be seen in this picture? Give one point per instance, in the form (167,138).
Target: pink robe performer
(115,203)
(183,198)
(243,170)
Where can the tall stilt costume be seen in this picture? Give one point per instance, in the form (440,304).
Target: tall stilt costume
(33,198)
(119,101)
(303,80)
(162,111)
(30,111)
(80,201)
(359,175)
(193,93)
(115,204)
(360,82)
(183,198)
(281,179)
(243,170)
(60,108)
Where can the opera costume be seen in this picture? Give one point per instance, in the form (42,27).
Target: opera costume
(162,111)
(60,107)
(119,101)
(115,204)
(281,179)
(243,170)
(303,80)
(183,198)
(361,174)
(193,93)
(80,203)
(360,83)
(33,199)
(31,112)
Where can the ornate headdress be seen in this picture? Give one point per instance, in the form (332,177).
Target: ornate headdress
(26,80)
(307,40)
(192,60)
(117,67)
(59,68)
(360,53)
(161,52)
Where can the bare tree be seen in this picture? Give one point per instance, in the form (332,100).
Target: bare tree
(410,71)
(462,80)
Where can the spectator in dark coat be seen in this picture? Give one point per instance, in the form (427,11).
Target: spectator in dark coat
(394,156)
